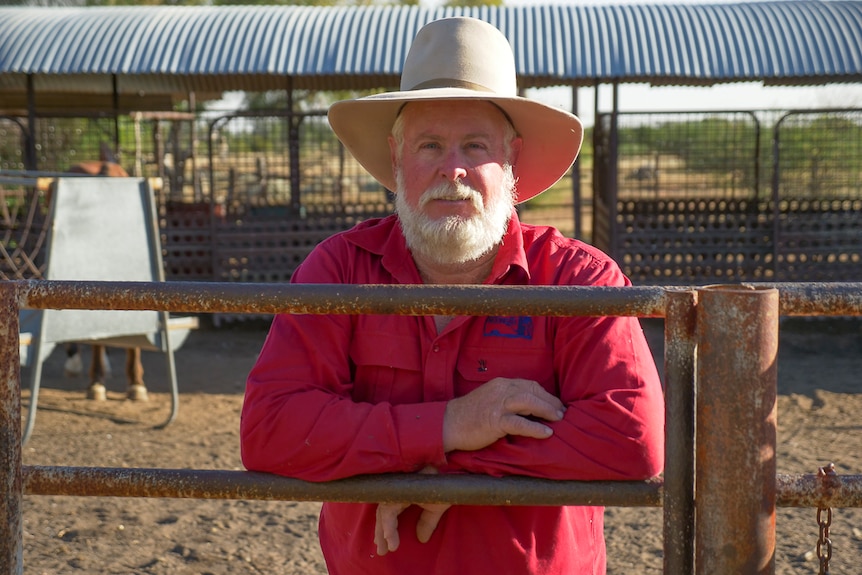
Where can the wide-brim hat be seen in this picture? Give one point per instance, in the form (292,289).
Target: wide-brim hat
(462,59)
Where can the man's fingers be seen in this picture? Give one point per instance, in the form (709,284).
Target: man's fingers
(517,425)
(386,537)
(428,520)
(498,408)
(386,528)
(538,406)
(544,397)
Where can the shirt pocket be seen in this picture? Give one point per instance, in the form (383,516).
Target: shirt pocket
(478,365)
(387,368)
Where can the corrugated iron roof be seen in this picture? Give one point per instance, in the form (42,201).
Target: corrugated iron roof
(174,50)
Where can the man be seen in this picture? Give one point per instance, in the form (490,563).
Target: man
(561,398)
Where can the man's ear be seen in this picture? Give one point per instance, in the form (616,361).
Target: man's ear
(393,153)
(515,148)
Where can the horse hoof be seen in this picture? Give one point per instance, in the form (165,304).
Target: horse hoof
(137,393)
(96,391)
(73,366)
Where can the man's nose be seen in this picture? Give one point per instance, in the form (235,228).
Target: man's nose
(453,167)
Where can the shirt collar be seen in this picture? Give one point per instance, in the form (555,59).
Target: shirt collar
(386,239)
(510,265)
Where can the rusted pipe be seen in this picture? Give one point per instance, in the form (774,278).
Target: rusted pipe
(11,499)
(680,346)
(793,490)
(230,297)
(416,488)
(735,466)
(801,299)
(818,298)
(819,490)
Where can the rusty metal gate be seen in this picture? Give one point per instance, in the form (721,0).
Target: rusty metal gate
(698,197)
(817,178)
(737,489)
(678,198)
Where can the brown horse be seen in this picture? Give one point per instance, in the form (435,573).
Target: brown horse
(136,389)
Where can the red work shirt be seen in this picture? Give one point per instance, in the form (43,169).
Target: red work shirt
(341,395)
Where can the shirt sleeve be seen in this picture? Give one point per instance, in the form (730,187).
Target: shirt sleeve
(613,428)
(298,416)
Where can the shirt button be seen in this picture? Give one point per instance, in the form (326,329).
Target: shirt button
(436,348)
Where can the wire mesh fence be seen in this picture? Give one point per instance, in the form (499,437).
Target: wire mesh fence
(676,198)
(730,196)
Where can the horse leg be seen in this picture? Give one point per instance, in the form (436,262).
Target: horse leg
(96,389)
(74,366)
(136,391)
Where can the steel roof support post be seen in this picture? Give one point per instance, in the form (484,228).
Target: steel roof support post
(11,500)
(596,178)
(115,100)
(735,419)
(613,176)
(30,158)
(775,196)
(293,145)
(197,191)
(680,347)
(576,179)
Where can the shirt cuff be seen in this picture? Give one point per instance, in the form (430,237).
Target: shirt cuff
(420,433)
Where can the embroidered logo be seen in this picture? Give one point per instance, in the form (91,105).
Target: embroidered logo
(511,327)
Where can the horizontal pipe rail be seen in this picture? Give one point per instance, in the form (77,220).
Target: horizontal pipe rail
(391,488)
(236,297)
(800,299)
(792,490)
(794,299)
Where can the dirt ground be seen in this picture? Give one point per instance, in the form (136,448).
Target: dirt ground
(819,422)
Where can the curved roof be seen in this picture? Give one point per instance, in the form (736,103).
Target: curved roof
(175,50)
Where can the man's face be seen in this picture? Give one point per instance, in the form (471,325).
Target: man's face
(455,182)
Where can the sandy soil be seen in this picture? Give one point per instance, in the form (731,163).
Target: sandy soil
(819,422)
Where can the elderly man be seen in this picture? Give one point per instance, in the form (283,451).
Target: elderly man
(562,398)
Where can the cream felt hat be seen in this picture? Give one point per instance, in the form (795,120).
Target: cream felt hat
(462,59)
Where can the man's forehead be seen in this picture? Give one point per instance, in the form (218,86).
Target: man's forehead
(419,110)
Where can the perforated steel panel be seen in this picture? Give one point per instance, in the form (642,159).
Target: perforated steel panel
(694,241)
(268,247)
(820,240)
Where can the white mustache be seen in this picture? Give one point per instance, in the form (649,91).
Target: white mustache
(456,191)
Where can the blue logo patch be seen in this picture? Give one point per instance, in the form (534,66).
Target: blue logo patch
(512,327)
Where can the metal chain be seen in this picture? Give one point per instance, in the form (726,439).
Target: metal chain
(824,543)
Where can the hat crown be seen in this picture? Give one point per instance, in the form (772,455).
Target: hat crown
(460,53)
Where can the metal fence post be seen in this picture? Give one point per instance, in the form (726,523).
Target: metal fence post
(11,530)
(680,345)
(736,407)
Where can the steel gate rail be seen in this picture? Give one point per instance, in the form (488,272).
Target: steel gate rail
(726,335)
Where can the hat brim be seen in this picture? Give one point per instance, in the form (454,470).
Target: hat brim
(551,136)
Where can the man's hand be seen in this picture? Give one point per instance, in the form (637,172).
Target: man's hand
(498,408)
(386,529)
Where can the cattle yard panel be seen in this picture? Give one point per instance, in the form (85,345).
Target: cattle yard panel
(741,322)
(818,200)
(13,143)
(678,198)
(699,197)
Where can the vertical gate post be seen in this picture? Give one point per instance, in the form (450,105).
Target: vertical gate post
(11,499)
(736,409)
(680,346)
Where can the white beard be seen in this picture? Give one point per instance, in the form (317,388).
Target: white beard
(454,239)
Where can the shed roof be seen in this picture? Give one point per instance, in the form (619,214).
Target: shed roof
(164,52)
